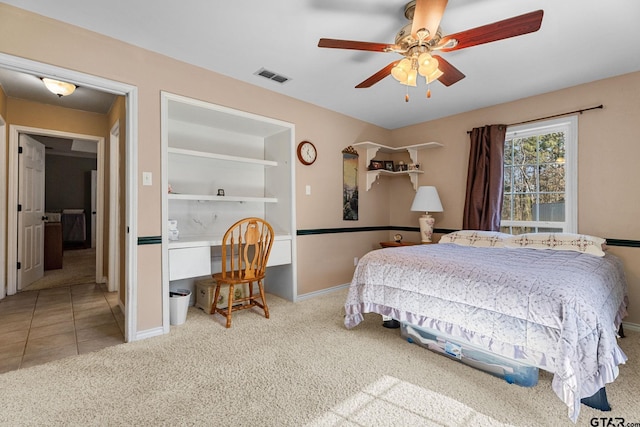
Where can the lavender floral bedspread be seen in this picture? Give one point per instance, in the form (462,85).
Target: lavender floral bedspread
(558,310)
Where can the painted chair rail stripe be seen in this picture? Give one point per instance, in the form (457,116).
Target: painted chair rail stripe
(610,242)
(150,240)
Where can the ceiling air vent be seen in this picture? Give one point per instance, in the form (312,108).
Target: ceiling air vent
(272,76)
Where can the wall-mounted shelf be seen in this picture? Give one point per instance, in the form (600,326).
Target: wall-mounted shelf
(373,149)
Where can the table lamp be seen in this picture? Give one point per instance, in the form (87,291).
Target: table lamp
(426,200)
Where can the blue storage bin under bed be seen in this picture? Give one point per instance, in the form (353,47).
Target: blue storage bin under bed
(511,371)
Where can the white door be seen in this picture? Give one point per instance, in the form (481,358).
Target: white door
(31,210)
(94,207)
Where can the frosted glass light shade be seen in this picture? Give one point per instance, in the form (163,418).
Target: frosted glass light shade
(58,87)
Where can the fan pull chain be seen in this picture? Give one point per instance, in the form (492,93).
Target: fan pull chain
(406,97)
(428,90)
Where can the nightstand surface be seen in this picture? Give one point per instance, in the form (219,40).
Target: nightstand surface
(392,244)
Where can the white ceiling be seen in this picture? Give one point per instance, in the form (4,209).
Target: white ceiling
(579,41)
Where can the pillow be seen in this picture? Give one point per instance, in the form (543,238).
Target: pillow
(477,238)
(559,242)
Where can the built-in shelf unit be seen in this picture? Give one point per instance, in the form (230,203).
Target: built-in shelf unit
(373,148)
(209,150)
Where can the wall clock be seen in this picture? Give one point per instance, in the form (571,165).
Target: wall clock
(307,153)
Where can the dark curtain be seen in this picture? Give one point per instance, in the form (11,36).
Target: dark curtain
(483,202)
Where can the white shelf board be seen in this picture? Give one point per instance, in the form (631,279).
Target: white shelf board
(215,198)
(373,175)
(203,154)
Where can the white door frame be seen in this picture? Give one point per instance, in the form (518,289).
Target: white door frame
(12,217)
(3,208)
(113,273)
(131,93)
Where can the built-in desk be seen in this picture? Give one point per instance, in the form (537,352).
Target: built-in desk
(194,256)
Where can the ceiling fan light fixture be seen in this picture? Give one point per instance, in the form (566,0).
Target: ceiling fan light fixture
(424,58)
(399,74)
(412,77)
(401,71)
(59,88)
(423,35)
(435,75)
(429,68)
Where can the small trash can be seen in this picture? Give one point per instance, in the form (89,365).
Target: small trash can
(178,306)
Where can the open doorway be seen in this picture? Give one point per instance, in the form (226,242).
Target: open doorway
(70,241)
(129,166)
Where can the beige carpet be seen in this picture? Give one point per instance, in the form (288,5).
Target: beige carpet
(78,267)
(301,367)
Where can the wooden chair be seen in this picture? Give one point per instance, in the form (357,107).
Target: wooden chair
(245,251)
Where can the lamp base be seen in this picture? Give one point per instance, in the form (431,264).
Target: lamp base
(426,227)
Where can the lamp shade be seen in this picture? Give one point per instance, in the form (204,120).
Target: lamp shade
(427,200)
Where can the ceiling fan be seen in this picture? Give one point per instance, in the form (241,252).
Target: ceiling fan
(418,40)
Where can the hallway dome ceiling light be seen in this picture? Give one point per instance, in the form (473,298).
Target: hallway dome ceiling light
(59,88)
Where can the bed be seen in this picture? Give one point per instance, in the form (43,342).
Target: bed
(559,308)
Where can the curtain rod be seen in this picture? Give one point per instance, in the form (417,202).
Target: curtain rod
(555,115)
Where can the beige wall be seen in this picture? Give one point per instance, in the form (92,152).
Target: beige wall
(323,260)
(33,114)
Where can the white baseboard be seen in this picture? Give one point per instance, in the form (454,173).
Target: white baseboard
(321,292)
(631,326)
(149,333)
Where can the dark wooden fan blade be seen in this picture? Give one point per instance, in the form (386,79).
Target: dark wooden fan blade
(355,45)
(516,26)
(450,74)
(377,76)
(427,14)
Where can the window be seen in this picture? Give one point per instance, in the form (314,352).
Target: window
(540,177)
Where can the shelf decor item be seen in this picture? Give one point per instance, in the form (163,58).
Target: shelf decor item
(426,200)
(376,165)
(388,165)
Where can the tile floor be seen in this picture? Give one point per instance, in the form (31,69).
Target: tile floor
(40,326)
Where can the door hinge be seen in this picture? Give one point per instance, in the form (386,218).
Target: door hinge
(19,150)
(19,265)
(19,208)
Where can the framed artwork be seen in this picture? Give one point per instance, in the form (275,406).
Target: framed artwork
(388,165)
(349,184)
(376,164)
